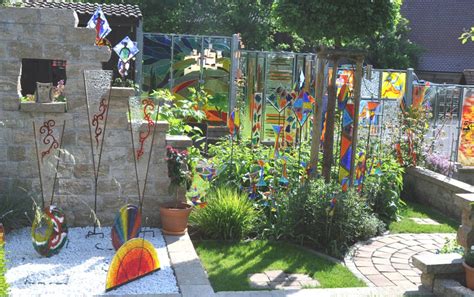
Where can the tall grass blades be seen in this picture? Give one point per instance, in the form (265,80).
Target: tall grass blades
(228,215)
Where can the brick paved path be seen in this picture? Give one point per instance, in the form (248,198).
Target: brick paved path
(386,260)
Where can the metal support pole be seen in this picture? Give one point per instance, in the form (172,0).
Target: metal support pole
(409,87)
(139,58)
(235,55)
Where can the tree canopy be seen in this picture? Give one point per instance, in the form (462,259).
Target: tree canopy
(337,22)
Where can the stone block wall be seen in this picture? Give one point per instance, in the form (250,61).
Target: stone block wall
(436,190)
(52,34)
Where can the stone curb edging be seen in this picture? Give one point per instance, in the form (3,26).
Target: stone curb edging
(190,275)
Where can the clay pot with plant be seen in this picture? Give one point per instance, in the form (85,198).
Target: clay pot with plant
(174,215)
(469,267)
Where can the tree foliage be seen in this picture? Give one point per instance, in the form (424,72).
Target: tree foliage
(336,22)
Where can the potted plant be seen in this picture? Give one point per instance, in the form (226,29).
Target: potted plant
(469,267)
(174,216)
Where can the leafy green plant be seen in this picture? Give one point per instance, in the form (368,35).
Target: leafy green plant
(228,215)
(3,270)
(382,190)
(469,256)
(451,246)
(124,83)
(331,220)
(411,147)
(179,169)
(177,111)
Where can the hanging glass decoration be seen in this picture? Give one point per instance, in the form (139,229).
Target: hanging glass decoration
(101,26)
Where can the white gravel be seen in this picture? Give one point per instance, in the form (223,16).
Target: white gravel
(80,269)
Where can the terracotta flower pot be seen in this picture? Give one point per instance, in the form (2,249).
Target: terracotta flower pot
(469,275)
(175,219)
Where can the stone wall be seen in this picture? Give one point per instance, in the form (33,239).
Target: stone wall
(465,174)
(436,190)
(52,34)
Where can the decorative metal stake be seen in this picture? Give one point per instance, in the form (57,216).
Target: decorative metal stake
(97,85)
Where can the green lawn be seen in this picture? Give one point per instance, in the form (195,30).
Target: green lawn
(415,210)
(3,282)
(228,264)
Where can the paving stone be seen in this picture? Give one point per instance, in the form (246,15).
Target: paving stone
(385,268)
(380,280)
(368,270)
(381,261)
(309,283)
(196,290)
(275,275)
(402,266)
(364,263)
(399,260)
(258,277)
(387,249)
(394,276)
(409,272)
(397,245)
(299,277)
(382,255)
(259,285)
(424,221)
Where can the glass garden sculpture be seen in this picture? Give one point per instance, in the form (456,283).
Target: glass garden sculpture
(346,145)
(126,50)
(127,225)
(49,229)
(466,142)
(97,85)
(256,115)
(101,26)
(393,85)
(135,259)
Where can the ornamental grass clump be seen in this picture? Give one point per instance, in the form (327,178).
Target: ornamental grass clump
(228,215)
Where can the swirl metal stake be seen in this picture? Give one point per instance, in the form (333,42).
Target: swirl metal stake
(97,85)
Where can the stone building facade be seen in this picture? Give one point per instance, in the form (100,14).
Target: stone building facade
(29,33)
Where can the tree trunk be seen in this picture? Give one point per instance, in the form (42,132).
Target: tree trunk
(329,134)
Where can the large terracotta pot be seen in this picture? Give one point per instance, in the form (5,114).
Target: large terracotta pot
(175,219)
(469,275)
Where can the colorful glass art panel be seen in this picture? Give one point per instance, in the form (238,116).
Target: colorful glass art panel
(127,225)
(393,85)
(346,146)
(180,62)
(370,88)
(133,260)
(256,111)
(466,140)
(49,231)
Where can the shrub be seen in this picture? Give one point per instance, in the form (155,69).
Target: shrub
(331,225)
(228,215)
(382,190)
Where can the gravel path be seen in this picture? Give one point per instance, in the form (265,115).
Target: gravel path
(80,268)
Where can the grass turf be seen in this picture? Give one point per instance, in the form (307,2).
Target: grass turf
(3,281)
(415,210)
(229,263)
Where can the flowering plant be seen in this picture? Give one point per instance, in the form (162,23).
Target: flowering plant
(179,170)
(469,256)
(440,164)
(58,92)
